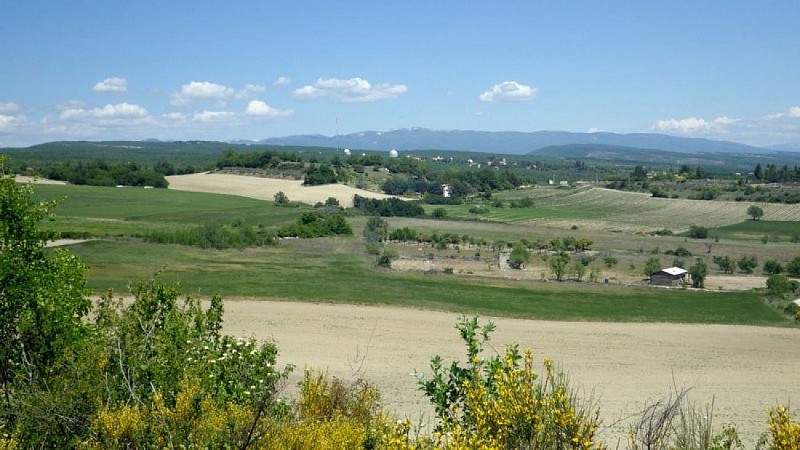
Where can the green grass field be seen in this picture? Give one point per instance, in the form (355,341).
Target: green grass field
(756,229)
(515,214)
(105,211)
(338,270)
(328,270)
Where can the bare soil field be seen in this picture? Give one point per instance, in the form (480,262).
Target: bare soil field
(26,179)
(266,188)
(744,369)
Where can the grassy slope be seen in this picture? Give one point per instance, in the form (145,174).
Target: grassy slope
(112,211)
(756,229)
(300,271)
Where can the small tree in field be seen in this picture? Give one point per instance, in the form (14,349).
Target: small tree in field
(793,268)
(756,212)
(281,198)
(558,265)
(652,266)
(725,263)
(698,271)
(519,256)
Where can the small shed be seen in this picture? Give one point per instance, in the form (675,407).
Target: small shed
(671,276)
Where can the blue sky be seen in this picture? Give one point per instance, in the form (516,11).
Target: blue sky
(254,69)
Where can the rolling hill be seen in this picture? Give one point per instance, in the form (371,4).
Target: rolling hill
(508,142)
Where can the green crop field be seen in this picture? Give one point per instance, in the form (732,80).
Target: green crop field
(757,229)
(328,270)
(104,211)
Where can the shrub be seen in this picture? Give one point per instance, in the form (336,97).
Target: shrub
(698,232)
(610,261)
(439,213)
(501,402)
(785,434)
(793,268)
(725,263)
(778,285)
(772,267)
(747,264)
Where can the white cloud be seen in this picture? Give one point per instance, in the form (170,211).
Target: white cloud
(694,124)
(208,91)
(113,84)
(176,116)
(682,125)
(595,130)
(212,116)
(8,107)
(509,91)
(249,91)
(109,111)
(351,90)
(282,81)
(6,121)
(259,108)
(775,128)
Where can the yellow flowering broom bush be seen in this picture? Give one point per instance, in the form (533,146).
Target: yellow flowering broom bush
(501,402)
(784,434)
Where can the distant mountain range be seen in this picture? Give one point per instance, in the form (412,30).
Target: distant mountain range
(514,143)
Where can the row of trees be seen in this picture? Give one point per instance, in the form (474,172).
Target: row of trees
(99,173)
(388,207)
(773,174)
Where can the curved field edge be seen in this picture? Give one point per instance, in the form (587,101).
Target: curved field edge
(302,273)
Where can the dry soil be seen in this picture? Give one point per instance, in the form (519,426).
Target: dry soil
(744,369)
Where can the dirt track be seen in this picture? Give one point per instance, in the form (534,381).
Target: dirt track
(746,369)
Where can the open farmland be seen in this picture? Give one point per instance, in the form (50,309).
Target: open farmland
(634,212)
(266,188)
(744,369)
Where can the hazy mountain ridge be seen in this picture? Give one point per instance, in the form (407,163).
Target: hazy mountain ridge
(510,142)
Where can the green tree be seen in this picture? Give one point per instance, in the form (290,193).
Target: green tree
(793,268)
(558,264)
(725,263)
(698,271)
(439,213)
(281,198)
(519,256)
(772,267)
(778,284)
(747,264)
(755,211)
(377,229)
(758,172)
(578,270)
(698,232)
(43,296)
(652,266)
